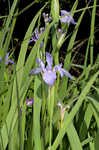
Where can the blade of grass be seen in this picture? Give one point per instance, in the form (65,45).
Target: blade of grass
(92,32)
(85,124)
(95,108)
(24,46)
(4,51)
(8,22)
(13,113)
(73,137)
(36,114)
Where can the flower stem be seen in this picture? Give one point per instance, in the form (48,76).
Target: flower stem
(51,108)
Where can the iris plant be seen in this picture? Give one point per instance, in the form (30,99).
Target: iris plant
(66,17)
(49,73)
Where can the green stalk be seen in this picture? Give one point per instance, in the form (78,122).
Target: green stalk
(51,108)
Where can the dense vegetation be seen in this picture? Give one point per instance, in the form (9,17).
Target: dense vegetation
(49,75)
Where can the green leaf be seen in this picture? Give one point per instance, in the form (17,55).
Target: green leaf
(73,137)
(73,112)
(36,114)
(92,32)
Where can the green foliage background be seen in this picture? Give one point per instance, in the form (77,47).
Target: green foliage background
(43,125)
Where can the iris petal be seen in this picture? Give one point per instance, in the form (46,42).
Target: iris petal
(8,61)
(49,77)
(49,60)
(42,65)
(66,73)
(62,71)
(36,71)
(36,34)
(59,69)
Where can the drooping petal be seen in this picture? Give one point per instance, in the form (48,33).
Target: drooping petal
(49,77)
(29,101)
(10,62)
(66,73)
(49,60)
(59,69)
(62,71)
(42,65)
(67,17)
(36,71)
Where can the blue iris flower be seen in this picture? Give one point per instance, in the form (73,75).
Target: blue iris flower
(48,73)
(66,17)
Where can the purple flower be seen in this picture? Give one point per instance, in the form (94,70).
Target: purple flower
(49,73)
(0,59)
(7,61)
(29,101)
(47,18)
(36,36)
(66,17)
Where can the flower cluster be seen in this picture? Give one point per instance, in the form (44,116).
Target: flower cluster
(36,36)
(66,17)
(49,73)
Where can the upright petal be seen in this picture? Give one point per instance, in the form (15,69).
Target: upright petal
(8,61)
(49,60)
(42,65)
(7,55)
(36,34)
(36,71)
(49,77)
